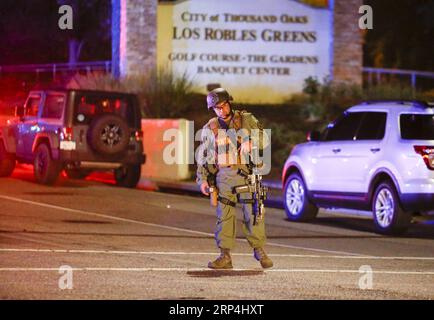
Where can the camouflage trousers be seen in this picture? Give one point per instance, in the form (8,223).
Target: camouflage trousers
(225,233)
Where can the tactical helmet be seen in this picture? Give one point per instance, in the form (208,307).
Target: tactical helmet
(217,96)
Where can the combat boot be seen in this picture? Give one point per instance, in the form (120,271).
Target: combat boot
(262,257)
(224,261)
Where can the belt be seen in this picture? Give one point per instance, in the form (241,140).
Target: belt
(226,201)
(233,204)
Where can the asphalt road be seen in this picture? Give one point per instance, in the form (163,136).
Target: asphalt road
(91,240)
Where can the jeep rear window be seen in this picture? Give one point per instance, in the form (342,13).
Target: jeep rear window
(417,126)
(90,106)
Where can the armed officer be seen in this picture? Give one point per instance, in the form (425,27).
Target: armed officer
(225,175)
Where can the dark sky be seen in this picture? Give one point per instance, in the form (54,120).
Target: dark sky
(403,35)
(29,31)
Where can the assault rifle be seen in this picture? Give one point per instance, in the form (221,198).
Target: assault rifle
(254,186)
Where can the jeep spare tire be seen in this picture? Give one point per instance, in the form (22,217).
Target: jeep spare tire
(108,134)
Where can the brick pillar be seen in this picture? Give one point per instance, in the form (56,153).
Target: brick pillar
(134,37)
(347,42)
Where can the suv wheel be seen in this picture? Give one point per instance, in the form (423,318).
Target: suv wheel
(46,170)
(297,205)
(389,218)
(128,176)
(7,162)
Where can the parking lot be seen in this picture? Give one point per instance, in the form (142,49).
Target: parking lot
(91,240)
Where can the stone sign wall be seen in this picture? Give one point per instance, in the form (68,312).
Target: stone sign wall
(134,36)
(261,50)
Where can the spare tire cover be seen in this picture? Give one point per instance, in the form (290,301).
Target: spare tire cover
(109,134)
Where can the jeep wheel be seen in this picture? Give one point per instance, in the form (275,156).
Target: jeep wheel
(46,170)
(128,176)
(7,162)
(77,173)
(109,134)
(389,218)
(297,205)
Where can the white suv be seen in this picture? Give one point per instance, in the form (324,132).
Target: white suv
(377,156)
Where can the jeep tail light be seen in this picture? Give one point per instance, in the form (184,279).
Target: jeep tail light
(66,133)
(139,135)
(427,153)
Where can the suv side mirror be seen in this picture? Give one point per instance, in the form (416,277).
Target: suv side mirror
(19,111)
(314,136)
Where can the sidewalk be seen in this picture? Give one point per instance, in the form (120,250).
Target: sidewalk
(274,196)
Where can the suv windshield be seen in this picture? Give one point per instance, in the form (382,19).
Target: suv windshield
(417,126)
(88,106)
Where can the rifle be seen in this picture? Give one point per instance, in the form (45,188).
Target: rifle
(254,186)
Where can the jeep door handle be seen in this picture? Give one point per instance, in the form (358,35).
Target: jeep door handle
(336,150)
(375,150)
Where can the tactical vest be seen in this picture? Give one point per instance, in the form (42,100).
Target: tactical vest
(227,154)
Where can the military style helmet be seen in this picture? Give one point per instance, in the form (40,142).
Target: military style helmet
(217,96)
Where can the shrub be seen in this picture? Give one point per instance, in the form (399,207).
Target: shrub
(161,94)
(283,139)
(324,101)
(391,91)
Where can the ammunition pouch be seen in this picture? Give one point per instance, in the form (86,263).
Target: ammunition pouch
(243,189)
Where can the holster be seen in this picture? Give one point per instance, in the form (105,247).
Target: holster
(213,196)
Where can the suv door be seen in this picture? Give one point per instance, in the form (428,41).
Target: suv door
(28,128)
(352,147)
(366,151)
(330,158)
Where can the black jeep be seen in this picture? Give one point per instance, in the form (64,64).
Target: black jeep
(75,130)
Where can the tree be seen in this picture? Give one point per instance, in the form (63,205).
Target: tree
(402,36)
(91,21)
(29,31)
(26,27)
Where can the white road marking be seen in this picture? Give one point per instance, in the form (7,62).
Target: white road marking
(27,238)
(180,253)
(94,214)
(141,269)
(275,244)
